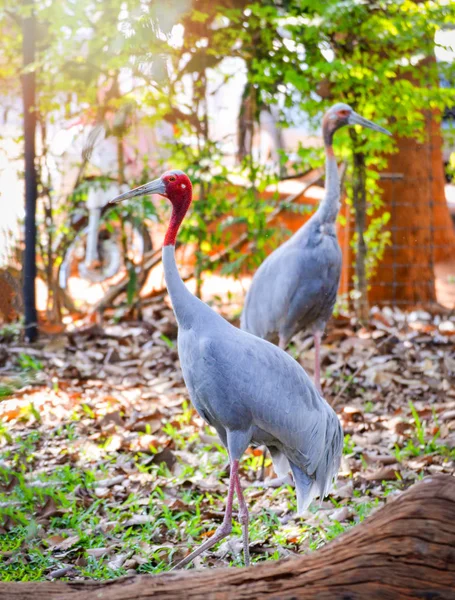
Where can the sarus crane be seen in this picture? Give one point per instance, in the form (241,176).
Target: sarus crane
(248,389)
(295,288)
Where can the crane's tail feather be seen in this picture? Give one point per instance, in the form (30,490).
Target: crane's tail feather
(327,469)
(321,481)
(306,488)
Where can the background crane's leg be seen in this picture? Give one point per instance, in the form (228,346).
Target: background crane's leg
(276,482)
(282,343)
(261,475)
(226,527)
(281,467)
(317,359)
(244,520)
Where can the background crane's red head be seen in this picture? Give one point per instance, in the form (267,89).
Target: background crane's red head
(175,185)
(341,114)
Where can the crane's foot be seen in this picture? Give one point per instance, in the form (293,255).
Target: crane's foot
(246,543)
(223,531)
(274,483)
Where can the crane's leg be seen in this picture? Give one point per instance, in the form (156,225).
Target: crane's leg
(282,343)
(276,482)
(226,526)
(244,520)
(317,359)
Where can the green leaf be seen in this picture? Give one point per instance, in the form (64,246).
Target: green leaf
(131,288)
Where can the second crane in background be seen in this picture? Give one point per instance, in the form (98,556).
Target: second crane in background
(295,288)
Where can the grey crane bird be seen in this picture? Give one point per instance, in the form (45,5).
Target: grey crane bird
(248,389)
(295,288)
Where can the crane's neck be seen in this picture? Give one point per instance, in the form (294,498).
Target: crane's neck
(330,204)
(180,206)
(182,299)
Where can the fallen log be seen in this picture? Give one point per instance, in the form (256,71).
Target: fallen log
(404,551)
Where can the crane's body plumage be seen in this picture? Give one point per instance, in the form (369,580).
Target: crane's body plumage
(295,287)
(252,392)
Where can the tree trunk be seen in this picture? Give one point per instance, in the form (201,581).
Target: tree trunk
(359,202)
(406,274)
(422,232)
(11,304)
(406,550)
(28,92)
(444,232)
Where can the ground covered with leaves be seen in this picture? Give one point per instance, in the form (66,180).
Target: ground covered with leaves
(106,470)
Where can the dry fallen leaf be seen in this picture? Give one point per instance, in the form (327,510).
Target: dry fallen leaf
(385,459)
(117,561)
(68,542)
(341,514)
(384,474)
(165,456)
(96,552)
(48,510)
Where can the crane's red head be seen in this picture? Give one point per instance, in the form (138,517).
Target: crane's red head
(340,115)
(177,187)
(174,185)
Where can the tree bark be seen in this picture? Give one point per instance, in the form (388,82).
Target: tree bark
(28,92)
(406,273)
(405,551)
(10,296)
(421,228)
(444,232)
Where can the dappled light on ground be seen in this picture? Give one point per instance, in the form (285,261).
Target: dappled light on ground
(105,468)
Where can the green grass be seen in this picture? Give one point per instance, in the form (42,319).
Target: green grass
(28,363)
(40,500)
(422,444)
(26,550)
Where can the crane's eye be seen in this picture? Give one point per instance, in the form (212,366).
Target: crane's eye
(343,113)
(172,178)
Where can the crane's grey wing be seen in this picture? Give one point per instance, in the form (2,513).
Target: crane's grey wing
(268,299)
(286,405)
(296,421)
(296,286)
(315,292)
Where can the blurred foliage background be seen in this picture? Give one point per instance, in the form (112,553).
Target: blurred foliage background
(110,68)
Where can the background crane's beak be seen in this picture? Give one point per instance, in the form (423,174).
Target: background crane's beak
(153,187)
(356,119)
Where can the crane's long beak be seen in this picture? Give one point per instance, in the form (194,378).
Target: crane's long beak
(356,119)
(153,187)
